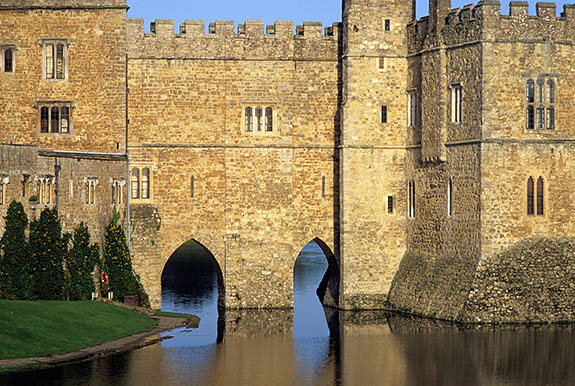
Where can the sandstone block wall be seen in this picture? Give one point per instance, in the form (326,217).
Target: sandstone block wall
(257,197)
(25,165)
(372,155)
(95,86)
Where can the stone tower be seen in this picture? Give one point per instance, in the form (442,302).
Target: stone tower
(372,148)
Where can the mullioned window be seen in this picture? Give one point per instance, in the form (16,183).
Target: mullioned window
(259,119)
(540,96)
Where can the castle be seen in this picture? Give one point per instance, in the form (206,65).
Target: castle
(430,159)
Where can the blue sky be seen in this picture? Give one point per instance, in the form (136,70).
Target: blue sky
(298,11)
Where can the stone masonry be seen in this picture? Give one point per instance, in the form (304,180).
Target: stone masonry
(403,147)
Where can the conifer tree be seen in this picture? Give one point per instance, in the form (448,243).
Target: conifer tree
(117,261)
(81,262)
(15,270)
(49,249)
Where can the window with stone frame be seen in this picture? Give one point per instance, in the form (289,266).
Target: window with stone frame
(450,198)
(259,118)
(4,181)
(91,184)
(45,185)
(411,199)
(540,97)
(456,102)
(55,117)
(7,59)
(535,196)
(411,108)
(55,61)
(141,183)
(118,190)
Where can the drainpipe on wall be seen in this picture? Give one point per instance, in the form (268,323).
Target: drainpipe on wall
(57,169)
(128,185)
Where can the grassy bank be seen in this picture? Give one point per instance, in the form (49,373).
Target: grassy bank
(32,329)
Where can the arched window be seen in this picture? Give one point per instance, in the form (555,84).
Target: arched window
(248,119)
(530,190)
(259,119)
(269,119)
(8,60)
(540,91)
(530,91)
(540,209)
(44,119)
(145,183)
(135,183)
(55,119)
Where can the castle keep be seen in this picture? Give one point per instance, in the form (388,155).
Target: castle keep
(430,159)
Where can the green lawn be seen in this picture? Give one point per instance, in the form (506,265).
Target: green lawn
(32,329)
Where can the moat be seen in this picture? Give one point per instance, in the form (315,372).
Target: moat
(315,346)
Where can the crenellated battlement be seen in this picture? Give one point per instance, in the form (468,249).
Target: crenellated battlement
(164,28)
(223,39)
(484,21)
(59,4)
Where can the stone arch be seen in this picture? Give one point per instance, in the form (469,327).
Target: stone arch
(328,289)
(214,259)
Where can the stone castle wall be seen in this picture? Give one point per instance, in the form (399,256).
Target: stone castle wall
(94,87)
(257,197)
(25,166)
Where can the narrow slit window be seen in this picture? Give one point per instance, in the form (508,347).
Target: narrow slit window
(269,119)
(1,194)
(54,119)
(92,192)
(540,201)
(450,198)
(44,119)
(192,187)
(9,60)
(259,118)
(383,114)
(412,109)
(390,204)
(135,183)
(322,186)
(456,101)
(145,183)
(530,190)
(387,25)
(248,119)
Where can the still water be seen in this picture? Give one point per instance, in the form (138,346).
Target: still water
(313,346)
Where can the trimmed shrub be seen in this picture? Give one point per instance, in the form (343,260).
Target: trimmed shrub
(15,270)
(49,250)
(81,262)
(117,261)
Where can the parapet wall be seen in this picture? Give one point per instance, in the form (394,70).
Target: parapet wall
(251,40)
(25,4)
(484,21)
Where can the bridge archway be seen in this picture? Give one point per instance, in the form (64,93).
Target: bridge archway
(192,276)
(328,288)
